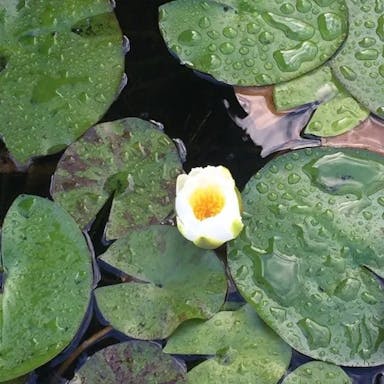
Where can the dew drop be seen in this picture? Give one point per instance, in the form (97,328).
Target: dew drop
(348,73)
(204,22)
(229,32)
(227,48)
(189,37)
(294,178)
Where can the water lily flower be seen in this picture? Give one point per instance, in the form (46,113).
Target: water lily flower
(208,206)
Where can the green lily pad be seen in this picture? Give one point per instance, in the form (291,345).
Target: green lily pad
(47,284)
(359,65)
(174,281)
(249,42)
(313,235)
(317,372)
(132,362)
(315,86)
(337,113)
(245,350)
(61,64)
(129,158)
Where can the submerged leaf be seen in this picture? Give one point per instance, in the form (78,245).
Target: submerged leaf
(248,42)
(175,281)
(61,64)
(244,349)
(129,158)
(313,239)
(47,284)
(132,362)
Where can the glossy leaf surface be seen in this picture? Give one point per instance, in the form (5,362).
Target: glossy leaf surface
(248,42)
(316,372)
(244,349)
(359,65)
(337,112)
(54,58)
(312,241)
(132,362)
(47,284)
(129,158)
(173,281)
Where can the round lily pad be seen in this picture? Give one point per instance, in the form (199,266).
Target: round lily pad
(130,159)
(316,372)
(132,362)
(173,281)
(312,244)
(359,65)
(244,349)
(47,283)
(61,64)
(248,42)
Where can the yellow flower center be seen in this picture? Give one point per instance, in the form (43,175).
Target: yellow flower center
(207,202)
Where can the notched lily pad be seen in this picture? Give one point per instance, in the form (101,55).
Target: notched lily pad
(47,284)
(359,65)
(313,238)
(248,42)
(129,158)
(61,64)
(337,112)
(132,362)
(244,349)
(317,372)
(175,281)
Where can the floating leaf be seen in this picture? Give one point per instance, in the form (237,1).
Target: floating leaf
(315,86)
(248,42)
(337,113)
(359,65)
(317,372)
(245,350)
(132,362)
(47,284)
(313,236)
(175,281)
(61,64)
(129,158)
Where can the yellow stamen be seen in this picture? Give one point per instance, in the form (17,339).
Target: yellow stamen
(207,202)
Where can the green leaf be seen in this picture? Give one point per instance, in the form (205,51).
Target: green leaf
(132,362)
(315,86)
(336,116)
(337,113)
(313,236)
(47,284)
(61,64)
(175,281)
(245,350)
(317,372)
(129,158)
(359,65)
(249,42)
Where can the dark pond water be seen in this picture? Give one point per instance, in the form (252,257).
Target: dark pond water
(192,109)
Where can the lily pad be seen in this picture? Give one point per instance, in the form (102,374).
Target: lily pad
(47,284)
(337,113)
(173,281)
(129,158)
(133,362)
(359,65)
(317,372)
(244,349)
(312,245)
(61,64)
(315,86)
(249,42)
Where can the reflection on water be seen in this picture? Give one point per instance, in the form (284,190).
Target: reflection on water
(273,131)
(368,135)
